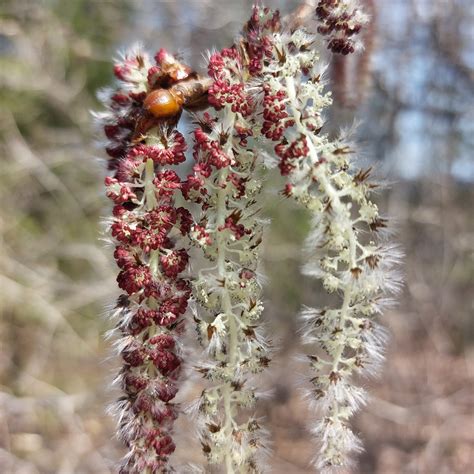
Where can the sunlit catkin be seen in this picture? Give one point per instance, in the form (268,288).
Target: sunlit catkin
(346,249)
(147,230)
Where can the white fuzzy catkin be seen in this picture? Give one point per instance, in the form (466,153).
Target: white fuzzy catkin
(345,249)
(226,183)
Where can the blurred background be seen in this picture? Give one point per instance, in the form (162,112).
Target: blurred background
(413,88)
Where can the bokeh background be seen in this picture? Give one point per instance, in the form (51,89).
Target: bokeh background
(413,89)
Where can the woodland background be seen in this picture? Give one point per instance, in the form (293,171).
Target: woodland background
(56,276)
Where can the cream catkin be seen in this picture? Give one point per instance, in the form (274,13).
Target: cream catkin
(226,184)
(346,249)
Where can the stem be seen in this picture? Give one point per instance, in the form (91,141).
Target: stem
(150,198)
(150,203)
(227,309)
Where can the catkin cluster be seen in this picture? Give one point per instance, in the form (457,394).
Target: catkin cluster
(265,92)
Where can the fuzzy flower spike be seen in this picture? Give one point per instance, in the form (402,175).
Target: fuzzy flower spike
(265,91)
(147,230)
(226,183)
(346,249)
(340,21)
